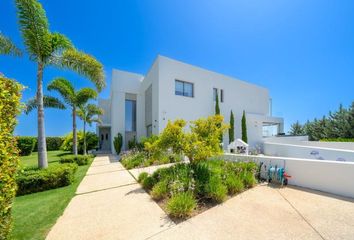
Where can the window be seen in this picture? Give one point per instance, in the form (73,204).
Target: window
(149,130)
(221,95)
(130,115)
(184,88)
(215,92)
(106,136)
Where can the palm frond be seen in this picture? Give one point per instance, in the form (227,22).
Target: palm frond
(48,102)
(82,63)
(34,27)
(60,42)
(94,110)
(92,120)
(7,47)
(83,95)
(65,89)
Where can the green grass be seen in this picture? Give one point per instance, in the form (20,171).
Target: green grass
(32,161)
(35,214)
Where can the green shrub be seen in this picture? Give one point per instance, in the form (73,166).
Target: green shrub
(215,189)
(249,179)
(10,96)
(181,205)
(132,159)
(202,175)
(118,142)
(26,145)
(37,180)
(54,143)
(79,159)
(160,190)
(148,183)
(142,176)
(337,140)
(234,184)
(91,142)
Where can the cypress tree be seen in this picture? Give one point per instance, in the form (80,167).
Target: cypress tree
(232,128)
(217,108)
(244,127)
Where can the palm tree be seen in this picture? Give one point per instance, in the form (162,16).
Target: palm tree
(89,114)
(7,47)
(73,99)
(47,48)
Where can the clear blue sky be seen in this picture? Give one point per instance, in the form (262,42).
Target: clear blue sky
(302,51)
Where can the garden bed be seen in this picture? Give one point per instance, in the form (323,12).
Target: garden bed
(139,159)
(187,189)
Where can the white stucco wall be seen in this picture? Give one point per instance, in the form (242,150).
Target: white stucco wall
(238,96)
(302,151)
(327,176)
(122,83)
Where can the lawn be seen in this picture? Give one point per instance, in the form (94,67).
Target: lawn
(36,213)
(31,160)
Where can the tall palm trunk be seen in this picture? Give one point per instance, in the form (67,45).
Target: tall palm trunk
(84,137)
(74,132)
(42,145)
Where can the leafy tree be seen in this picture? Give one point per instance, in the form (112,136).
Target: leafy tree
(204,139)
(244,127)
(7,47)
(173,136)
(296,129)
(10,96)
(89,113)
(74,100)
(51,49)
(338,124)
(232,128)
(91,141)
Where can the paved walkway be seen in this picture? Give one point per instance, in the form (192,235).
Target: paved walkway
(111,205)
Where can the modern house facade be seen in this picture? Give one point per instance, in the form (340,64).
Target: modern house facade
(142,105)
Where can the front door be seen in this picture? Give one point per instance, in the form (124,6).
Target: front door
(105,139)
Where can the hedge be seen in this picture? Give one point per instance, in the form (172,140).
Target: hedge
(10,96)
(53,143)
(79,159)
(38,180)
(26,145)
(337,140)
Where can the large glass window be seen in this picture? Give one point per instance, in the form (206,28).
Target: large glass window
(130,115)
(184,88)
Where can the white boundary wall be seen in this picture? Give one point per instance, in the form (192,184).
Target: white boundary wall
(309,152)
(327,176)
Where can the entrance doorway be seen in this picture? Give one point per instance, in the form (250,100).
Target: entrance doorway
(105,139)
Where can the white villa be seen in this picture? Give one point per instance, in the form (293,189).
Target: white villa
(142,105)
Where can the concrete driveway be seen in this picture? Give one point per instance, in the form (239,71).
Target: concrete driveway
(110,205)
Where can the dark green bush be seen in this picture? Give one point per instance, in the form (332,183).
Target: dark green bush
(79,159)
(215,189)
(148,183)
(53,143)
(159,190)
(234,184)
(37,180)
(249,179)
(142,176)
(181,205)
(26,145)
(10,96)
(337,140)
(118,142)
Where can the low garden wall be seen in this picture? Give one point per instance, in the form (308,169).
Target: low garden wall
(327,176)
(307,152)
